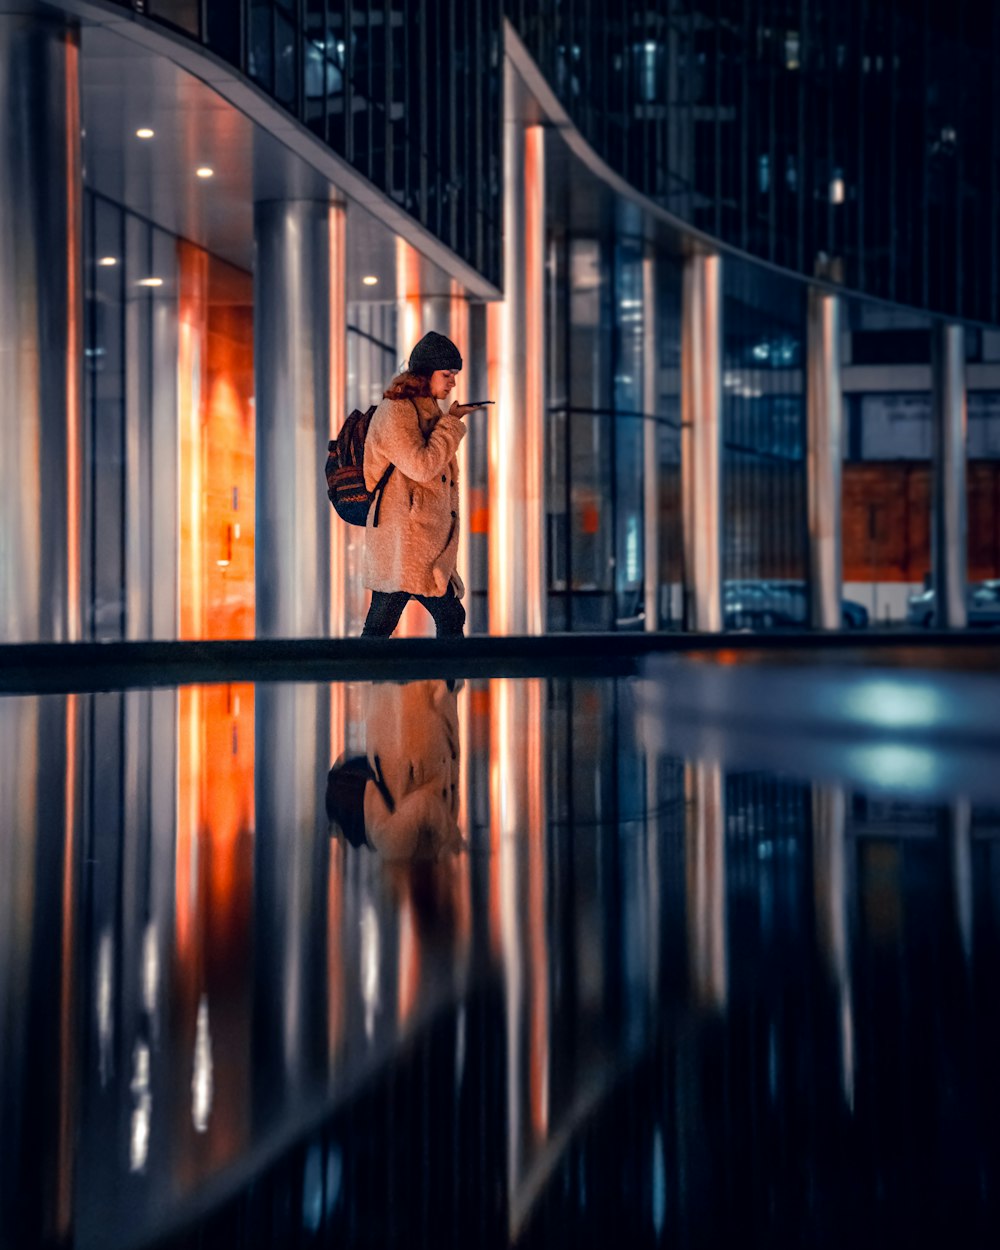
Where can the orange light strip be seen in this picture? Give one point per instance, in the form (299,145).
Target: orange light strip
(337,354)
(534,379)
(459,333)
(74,183)
(415,621)
(501,437)
(192,335)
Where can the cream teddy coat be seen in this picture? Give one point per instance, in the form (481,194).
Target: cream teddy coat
(415,546)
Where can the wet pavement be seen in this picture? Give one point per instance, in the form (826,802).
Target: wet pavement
(706,955)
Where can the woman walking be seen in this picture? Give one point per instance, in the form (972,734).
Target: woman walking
(411,546)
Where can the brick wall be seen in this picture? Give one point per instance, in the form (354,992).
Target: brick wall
(886,522)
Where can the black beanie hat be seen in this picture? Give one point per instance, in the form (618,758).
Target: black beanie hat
(434,351)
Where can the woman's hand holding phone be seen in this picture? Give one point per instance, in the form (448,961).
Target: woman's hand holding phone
(462,410)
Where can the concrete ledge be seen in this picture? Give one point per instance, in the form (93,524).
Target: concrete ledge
(62,667)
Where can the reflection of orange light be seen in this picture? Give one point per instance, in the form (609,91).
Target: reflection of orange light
(67,1033)
(537,919)
(213,903)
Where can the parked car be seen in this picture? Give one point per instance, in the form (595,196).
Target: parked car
(982,605)
(779,605)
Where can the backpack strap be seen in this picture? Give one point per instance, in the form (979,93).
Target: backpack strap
(380,784)
(380,490)
(380,486)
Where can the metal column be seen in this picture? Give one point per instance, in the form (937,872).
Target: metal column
(300,368)
(825,426)
(41,319)
(949,520)
(701,441)
(650,449)
(518,580)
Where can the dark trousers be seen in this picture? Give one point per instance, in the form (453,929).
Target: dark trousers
(387,608)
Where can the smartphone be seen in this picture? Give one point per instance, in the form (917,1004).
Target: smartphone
(479,403)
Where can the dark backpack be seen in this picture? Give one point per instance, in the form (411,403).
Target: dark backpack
(345,795)
(345,471)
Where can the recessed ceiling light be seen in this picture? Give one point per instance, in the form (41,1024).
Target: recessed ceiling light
(144,132)
(205,171)
(108,260)
(150,282)
(370,280)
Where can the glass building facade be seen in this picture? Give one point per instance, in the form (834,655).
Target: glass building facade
(753,121)
(546,202)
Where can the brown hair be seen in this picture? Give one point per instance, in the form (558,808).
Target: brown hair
(408,385)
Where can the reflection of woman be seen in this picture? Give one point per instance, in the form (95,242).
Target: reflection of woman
(402,801)
(413,748)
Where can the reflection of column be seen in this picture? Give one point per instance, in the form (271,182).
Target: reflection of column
(701,441)
(705,857)
(39,870)
(824,413)
(299,315)
(517,484)
(40,331)
(650,449)
(518,834)
(948,518)
(959,826)
(830,885)
(291,888)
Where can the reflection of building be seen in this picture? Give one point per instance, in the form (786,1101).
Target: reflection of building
(652,239)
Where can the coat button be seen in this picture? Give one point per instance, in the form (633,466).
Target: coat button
(443,478)
(454,514)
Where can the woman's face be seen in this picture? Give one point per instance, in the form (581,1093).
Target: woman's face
(443,382)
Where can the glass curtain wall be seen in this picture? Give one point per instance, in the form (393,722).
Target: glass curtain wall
(752,122)
(614,374)
(408,91)
(764,527)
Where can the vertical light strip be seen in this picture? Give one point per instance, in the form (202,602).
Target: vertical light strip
(74,347)
(337,356)
(501,433)
(460,336)
(824,424)
(192,332)
(701,441)
(650,447)
(415,621)
(534,381)
(407,299)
